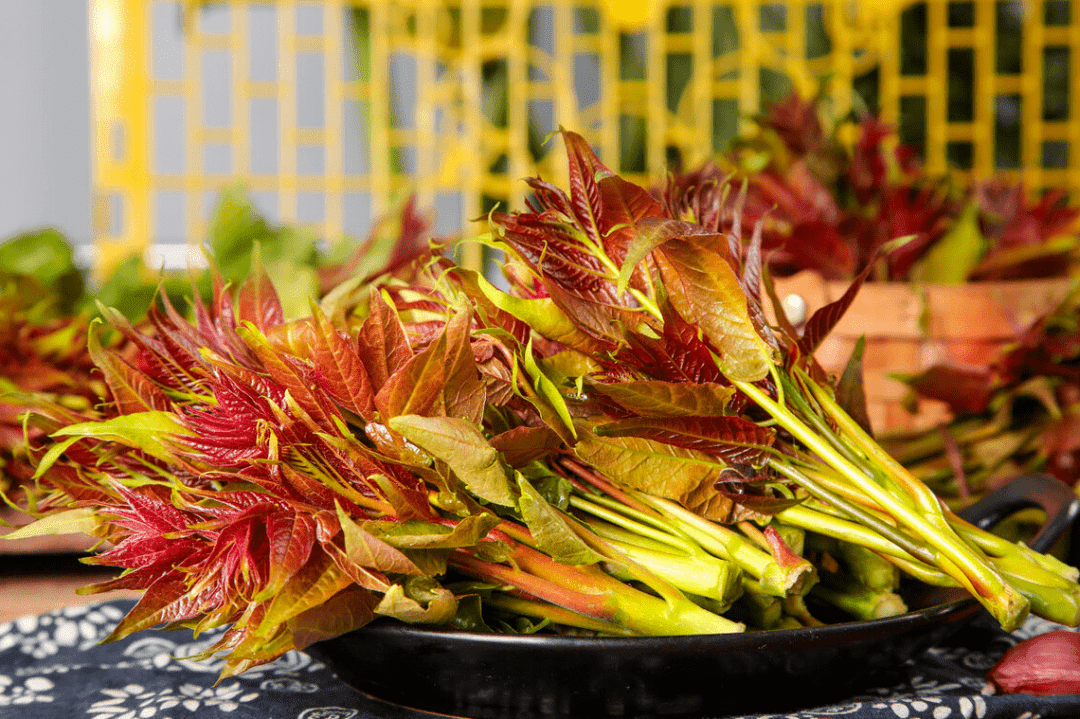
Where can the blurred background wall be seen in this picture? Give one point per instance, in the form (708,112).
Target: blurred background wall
(45,117)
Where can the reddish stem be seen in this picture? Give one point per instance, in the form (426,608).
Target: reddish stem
(605,486)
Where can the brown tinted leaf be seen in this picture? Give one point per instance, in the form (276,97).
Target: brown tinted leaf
(652,467)
(651,398)
(825,318)
(707,502)
(653,232)
(607,206)
(605,323)
(348,610)
(733,439)
(291,537)
(416,387)
(522,445)
(965,388)
(257,301)
(463,390)
(338,363)
(167,600)
(291,374)
(850,392)
(319,580)
(367,551)
(441,606)
(381,343)
(705,291)
(131,389)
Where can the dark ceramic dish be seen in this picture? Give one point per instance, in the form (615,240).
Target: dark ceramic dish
(495,675)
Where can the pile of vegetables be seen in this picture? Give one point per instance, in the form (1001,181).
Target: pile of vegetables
(46,303)
(1018,414)
(43,355)
(617,444)
(830,209)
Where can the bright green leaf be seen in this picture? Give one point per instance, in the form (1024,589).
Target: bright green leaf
(547,389)
(550,528)
(55,452)
(152,432)
(952,258)
(71,521)
(464,449)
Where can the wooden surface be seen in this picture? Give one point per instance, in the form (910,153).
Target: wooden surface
(37,594)
(41,574)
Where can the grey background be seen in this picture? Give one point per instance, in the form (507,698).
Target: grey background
(45,117)
(45,142)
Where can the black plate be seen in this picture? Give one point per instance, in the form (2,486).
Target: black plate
(496,675)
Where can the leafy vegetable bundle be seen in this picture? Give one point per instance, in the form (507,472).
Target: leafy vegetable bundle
(618,444)
(830,209)
(46,303)
(1020,413)
(43,354)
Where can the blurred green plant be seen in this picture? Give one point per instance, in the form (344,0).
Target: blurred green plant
(48,304)
(46,256)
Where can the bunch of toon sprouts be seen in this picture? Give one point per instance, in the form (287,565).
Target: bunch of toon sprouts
(618,444)
(1018,413)
(829,208)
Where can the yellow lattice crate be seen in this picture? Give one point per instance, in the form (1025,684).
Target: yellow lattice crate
(328,110)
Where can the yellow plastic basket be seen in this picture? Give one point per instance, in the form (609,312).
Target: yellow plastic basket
(365,101)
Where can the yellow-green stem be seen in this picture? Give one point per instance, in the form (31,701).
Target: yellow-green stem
(1007,605)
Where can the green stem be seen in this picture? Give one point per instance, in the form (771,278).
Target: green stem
(924,499)
(862,602)
(997,547)
(1048,593)
(726,544)
(869,568)
(795,606)
(864,517)
(619,518)
(697,573)
(616,600)
(598,605)
(1007,605)
(756,609)
(848,531)
(676,603)
(1048,583)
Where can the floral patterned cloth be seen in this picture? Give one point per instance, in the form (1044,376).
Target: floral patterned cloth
(52,666)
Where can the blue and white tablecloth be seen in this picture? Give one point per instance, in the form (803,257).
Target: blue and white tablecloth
(53,667)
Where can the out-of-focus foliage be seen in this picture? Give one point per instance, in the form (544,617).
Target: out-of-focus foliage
(43,354)
(47,301)
(826,208)
(1020,413)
